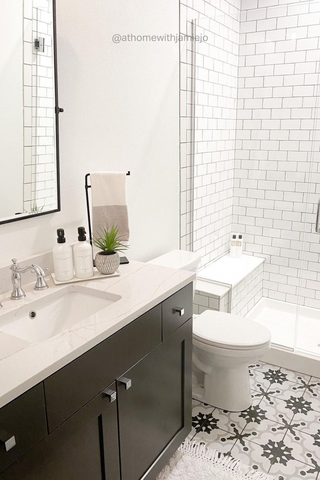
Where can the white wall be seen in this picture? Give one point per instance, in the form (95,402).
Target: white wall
(121,106)
(11,101)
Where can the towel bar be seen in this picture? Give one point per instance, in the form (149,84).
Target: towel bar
(87,186)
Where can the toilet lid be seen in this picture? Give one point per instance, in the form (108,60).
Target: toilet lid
(225,330)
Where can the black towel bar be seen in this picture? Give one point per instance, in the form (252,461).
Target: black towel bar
(87,186)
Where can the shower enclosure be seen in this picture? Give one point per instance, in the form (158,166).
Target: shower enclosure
(251,157)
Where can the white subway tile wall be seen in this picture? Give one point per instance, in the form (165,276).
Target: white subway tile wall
(259,176)
(40,192)
(247,293)
(215,125)
(205,301)
(277,160)
(239,300)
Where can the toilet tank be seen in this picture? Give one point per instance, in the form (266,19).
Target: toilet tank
(180,259)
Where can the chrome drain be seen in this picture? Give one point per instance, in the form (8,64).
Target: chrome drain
(32,314)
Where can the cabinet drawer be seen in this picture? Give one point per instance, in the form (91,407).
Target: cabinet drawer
(22,425)
(77,383)
(177,309)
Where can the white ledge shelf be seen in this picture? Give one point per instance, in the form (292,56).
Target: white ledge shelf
(211,289)
(230,271)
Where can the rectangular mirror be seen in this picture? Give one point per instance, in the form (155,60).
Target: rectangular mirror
(29,135)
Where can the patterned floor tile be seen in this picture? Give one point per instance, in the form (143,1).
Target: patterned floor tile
(257,380)
(283,455)
(260,392)
(200,415)
(217,439)
(293,471)
(266,366)
(255,366)
(251,454)
(313,427)
(295,376)
(254,414)
(261,432)
(287,390)
(305,446)
(309,423)
(307,419)
(312,392)
(315,381)
(276,409)
(195,402)
(228,420)
(279,434)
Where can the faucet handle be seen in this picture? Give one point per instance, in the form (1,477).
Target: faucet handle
(41,283)
(15,264)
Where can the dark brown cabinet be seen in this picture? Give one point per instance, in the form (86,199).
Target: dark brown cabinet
(176,310)
(135,422)
(83,448)
(22,425)
(155,410)
(78,382)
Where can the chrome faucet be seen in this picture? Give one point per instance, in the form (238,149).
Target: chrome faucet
(41,283)
(17,291)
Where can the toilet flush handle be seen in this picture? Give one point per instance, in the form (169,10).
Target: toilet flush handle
(179,310)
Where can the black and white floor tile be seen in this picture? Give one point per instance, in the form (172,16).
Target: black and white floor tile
(279,434)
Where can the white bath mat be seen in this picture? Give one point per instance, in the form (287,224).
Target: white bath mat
(194,461)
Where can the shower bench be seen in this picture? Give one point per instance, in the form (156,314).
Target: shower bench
(232,285)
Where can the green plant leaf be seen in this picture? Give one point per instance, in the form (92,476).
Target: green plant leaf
(109,240)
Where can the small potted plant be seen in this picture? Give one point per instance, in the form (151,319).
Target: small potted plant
(107,261)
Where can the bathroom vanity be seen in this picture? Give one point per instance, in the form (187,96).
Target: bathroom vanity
(111,408)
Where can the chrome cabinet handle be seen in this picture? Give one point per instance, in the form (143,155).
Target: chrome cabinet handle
(179,310)
(111,394)
(9,442)
(317,229)
(126,382)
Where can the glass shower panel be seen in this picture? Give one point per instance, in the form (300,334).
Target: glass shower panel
(254,165)
(215,102)
(307,338)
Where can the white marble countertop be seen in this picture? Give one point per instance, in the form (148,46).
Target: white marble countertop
(24,364)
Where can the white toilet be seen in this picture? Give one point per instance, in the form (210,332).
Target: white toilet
(224,346)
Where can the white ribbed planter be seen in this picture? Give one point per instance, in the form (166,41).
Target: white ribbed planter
(107,263)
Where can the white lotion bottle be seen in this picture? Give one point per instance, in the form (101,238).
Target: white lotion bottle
(62,258)
(233,247)
(82,254)
(239,246)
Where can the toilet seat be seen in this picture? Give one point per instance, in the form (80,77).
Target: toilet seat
(227,331)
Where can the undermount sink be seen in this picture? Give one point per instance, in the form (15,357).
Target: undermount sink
(58,311)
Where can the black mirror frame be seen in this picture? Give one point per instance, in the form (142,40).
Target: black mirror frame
(58,110)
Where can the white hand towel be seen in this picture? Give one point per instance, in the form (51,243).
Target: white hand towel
(109,204)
